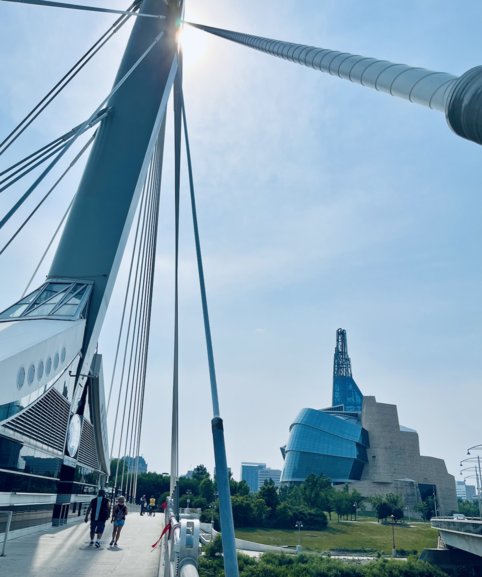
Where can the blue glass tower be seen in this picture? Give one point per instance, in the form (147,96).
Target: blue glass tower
(330,441)
(346,393)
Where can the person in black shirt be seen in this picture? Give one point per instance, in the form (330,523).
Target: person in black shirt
(99,509)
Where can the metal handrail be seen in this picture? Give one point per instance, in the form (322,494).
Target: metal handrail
(7,529)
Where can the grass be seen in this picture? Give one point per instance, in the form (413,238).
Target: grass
(365,534)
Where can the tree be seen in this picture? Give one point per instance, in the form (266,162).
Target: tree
(246,513)
(269,494)
(200,472)
(388,505)
(468,508)
(341,504)
(316,491)
(206,489)
(426,508)
(238,487)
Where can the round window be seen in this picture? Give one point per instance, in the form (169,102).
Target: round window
(62,355)
(40,370)
(48,366)
(20,377)
(56,361)
(31,374)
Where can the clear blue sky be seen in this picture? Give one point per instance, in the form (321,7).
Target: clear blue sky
(322,204)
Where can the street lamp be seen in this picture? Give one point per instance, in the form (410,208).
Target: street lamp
(478,480)
(479,488)
(298,525)
(394,549)
(188,493)
(355,505)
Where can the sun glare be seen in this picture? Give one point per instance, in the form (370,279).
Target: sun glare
(193,43)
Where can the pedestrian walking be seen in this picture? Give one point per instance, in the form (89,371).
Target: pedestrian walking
(99,510)
(152,506)
(119,513)
(143,504)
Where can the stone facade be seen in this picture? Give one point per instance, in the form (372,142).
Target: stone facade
(394,461)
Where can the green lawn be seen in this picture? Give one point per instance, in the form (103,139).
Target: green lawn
(364,534)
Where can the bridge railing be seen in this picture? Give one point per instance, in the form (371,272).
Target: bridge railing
(9,515)
(182,547)
(467,525)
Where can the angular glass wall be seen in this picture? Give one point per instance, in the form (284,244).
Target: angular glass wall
(330,444)
(346,393)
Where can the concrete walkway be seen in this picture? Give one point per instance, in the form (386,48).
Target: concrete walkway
(65,551)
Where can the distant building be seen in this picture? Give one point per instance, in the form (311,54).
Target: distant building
(465,492)
(131,464)
(269,474)
(249,473)
(255,474)
(361,442)
(471,492)
(461,490)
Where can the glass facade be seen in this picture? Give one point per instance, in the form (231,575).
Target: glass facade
(347,394)
(63,300)
(330,442)
(325,443)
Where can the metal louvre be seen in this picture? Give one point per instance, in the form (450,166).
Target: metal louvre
(46,421)
(87,454)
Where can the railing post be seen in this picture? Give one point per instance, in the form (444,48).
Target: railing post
(7,529)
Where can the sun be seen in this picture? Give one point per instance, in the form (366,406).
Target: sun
(194,45)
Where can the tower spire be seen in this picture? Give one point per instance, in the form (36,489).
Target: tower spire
(341,362)
(345,391)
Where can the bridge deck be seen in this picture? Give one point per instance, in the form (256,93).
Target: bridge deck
(65,551)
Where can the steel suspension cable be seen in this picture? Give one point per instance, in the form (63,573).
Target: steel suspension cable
(34,155)
(147,293)
(129,336)
(48,193)
(175,375)
(141,280)
(51,4)
(124,308)
(42,258)
(30,162)
(158,165)
(418,85)
(134,358)
(68,76)
(87,123)
(130,296)
(222,478)
(131,431)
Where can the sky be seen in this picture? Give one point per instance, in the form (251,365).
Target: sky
(321,204)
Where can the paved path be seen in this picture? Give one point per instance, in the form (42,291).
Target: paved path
(65,552)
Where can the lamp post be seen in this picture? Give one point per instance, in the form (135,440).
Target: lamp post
(188,493)
(298,525)
(478,481)
(355,505)
(479,496)
(394,549)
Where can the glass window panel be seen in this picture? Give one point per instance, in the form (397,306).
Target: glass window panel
(41,311)
(66,310)
(31,297)
(14,311)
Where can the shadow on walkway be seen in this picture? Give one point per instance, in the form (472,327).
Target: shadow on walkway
(65,551)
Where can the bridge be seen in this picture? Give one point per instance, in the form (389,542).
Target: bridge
(463,534)
(55,443)
(460,543)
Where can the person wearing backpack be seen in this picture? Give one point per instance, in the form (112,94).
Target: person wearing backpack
(119,513)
